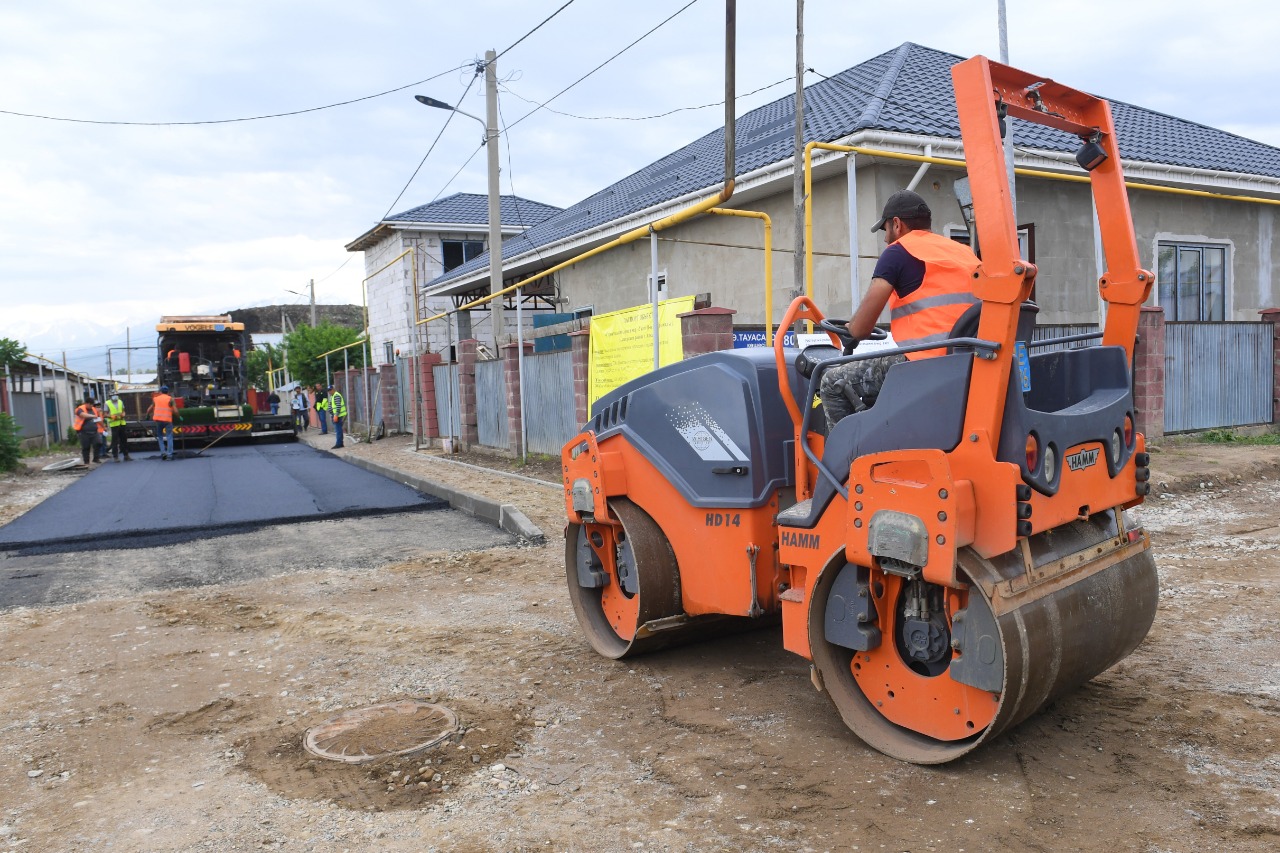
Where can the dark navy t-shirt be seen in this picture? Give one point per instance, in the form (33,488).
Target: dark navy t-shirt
(901,269)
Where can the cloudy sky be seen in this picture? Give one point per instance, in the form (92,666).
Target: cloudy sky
(152,202)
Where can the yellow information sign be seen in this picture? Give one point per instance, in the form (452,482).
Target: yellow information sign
(622,344)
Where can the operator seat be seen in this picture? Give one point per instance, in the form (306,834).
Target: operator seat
(921,405)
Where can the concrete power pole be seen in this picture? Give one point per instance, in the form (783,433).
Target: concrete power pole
(495,205)
(313,303)
(797,179)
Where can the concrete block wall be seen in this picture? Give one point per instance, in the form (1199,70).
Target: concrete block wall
(467,358)
(389,391)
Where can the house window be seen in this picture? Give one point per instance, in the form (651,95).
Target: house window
(455,253)
(389,352)
(1193,281)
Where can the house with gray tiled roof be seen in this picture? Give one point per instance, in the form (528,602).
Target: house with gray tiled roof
(1219,248)
(439,237)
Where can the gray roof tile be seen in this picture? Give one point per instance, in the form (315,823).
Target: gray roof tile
(473,209)
(907,89)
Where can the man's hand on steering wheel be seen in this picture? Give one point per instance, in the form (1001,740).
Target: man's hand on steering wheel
(840,328)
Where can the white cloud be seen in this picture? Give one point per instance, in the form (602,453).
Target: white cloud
(103,226)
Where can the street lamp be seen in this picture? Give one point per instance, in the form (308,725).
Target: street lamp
(495,214)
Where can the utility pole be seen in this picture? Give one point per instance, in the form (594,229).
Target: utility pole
(1008,136)
(495,205)
(313,303)
(797,177)
(128,358)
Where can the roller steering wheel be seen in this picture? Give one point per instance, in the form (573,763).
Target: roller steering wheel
(840,328)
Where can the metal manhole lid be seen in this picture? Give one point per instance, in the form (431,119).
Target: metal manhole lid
(381,731)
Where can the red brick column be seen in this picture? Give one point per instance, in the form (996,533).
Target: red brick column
(429,427)
(1272,316)
(580,342)
(467,392)
(707,330)
(511,381)
(1148,374)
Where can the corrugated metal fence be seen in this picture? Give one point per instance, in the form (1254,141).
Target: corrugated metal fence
(1040,333)
(548,409)
(1217,375)
(491,405)
(29,412)
(445,377)
(354,395)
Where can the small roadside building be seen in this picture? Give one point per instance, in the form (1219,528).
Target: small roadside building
(410,248)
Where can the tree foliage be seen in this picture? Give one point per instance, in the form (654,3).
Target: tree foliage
(304,343)
(10,448)
(262,358)
(11,352)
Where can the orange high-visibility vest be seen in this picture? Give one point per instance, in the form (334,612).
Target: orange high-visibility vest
(163,407)
(87,410)
(933,308)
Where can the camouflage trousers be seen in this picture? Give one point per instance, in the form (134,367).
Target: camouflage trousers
(844,387)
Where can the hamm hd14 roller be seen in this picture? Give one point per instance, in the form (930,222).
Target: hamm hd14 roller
(951,559)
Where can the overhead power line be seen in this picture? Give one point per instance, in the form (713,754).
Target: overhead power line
(663,23)
(534,30)
(234,120)
(654,116)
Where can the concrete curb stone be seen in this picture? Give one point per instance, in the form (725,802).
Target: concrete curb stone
(508,517)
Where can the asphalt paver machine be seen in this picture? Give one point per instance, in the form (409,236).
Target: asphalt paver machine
(951,559)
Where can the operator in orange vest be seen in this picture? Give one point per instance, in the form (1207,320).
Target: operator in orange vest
(161,411)
(925,279)
(88,425)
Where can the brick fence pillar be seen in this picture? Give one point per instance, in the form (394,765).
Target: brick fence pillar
(1148,375)
(1272,316)
(706,330)
(467,392)
(389,391)
(580,343)
(511,381)
(426,407)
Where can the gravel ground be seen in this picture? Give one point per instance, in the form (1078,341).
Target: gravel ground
(172,718)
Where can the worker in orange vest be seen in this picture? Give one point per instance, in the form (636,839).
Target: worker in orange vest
(88,425)
(927,282)
(161,411)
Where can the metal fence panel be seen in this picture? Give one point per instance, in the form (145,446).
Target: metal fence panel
(1041,333)
(491,405)
(549,419)
(1217,375)
(28,411)
(448,414)
(357,412)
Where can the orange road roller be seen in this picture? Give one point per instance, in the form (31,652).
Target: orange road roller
(952,558)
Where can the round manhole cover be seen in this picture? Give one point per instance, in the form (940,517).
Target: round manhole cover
(381,731)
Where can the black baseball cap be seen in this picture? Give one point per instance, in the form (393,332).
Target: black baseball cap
(903,204)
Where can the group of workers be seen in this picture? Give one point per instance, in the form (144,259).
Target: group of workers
(92,423)
(329,404)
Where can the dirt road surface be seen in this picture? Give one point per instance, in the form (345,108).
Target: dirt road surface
(172,719)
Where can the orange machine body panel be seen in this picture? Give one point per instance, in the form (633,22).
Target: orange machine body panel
(714,546)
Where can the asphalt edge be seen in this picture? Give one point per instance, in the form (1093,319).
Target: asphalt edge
(508,517)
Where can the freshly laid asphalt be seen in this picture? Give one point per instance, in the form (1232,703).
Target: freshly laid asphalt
(147,501)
